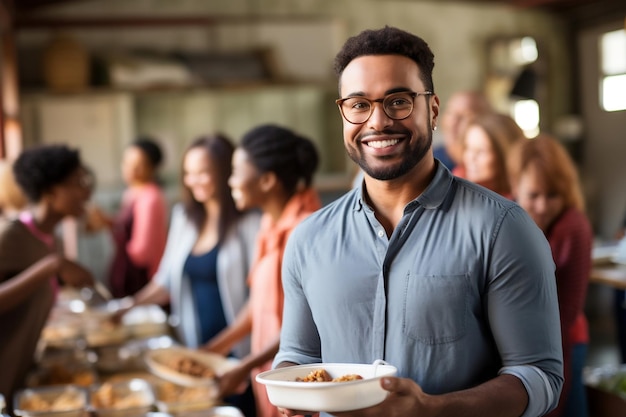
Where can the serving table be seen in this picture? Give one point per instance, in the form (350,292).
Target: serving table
(611,274)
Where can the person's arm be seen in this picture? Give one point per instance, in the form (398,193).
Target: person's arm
(15,290)
(151,293)
(224,341)
(571,241)
(231,381)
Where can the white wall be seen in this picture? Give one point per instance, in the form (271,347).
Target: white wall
(457,32)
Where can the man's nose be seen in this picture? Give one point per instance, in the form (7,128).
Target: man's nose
(379,119)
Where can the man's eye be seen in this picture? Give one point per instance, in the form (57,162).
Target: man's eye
(399,102)
(360,105)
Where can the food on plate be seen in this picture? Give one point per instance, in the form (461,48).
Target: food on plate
(104,332)
(183,364)
(58,333)
(58,374)
(107,397)
(321,375)
(348,377)
(169,393)
(69,400)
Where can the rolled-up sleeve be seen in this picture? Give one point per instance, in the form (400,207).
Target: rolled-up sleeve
(523,310)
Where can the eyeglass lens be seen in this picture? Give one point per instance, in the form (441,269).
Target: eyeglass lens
(359,109)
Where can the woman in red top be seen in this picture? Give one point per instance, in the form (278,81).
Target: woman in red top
(545,183)
(272,170)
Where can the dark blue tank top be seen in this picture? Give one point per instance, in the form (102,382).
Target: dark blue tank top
(202,272)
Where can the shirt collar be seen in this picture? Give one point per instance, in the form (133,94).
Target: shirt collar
(434,196)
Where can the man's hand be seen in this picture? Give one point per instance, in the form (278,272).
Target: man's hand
(405,398)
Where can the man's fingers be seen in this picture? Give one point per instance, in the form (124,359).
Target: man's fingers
(398,386)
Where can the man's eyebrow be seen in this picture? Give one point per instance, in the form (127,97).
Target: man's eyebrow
(390,91)
(356,94)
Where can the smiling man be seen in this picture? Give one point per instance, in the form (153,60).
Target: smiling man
(446,280)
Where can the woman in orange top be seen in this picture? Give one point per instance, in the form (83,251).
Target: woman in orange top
(272,170)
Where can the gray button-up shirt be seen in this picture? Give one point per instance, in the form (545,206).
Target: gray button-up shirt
(462,291)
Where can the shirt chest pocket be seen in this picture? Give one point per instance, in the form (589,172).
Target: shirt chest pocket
(436,308)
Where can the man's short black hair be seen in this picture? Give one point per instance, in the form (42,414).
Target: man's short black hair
(388,41)
(40,168)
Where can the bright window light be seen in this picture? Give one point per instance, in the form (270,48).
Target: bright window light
(613,47)
(614,93)
(524,51)
(526,114)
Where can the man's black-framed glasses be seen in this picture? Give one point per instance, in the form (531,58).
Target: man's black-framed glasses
(397,106)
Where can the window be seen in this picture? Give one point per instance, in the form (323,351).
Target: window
(514,80)
(613,70)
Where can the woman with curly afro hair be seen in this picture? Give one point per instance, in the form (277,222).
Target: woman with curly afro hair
(56,185)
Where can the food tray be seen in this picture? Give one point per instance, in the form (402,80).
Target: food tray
(56,401)
(174,398)
(220,411)
(284,391)
(130,398)
(156,359)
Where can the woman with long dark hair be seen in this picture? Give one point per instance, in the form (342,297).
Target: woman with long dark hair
(210,247)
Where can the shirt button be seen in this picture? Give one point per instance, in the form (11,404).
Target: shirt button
(381,233)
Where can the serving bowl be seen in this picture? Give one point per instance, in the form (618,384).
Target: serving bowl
(129,398)
(175,399)
(54,401)
(219,411)
(166,364)
(285,391)
(146,321)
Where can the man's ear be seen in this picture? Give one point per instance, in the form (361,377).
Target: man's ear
(268,181)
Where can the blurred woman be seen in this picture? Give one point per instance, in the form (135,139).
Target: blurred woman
(140,228)
(210,247)
(53,179)
(545,183)
(272,170)
(486,141)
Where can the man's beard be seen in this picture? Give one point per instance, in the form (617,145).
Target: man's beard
(410,158)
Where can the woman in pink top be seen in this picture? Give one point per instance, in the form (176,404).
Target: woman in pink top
(31,265)
(140,228)
(272,170)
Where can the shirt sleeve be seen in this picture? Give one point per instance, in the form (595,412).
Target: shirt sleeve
(523,312)
(299,339)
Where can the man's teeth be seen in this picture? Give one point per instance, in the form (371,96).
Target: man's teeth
(382,143)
